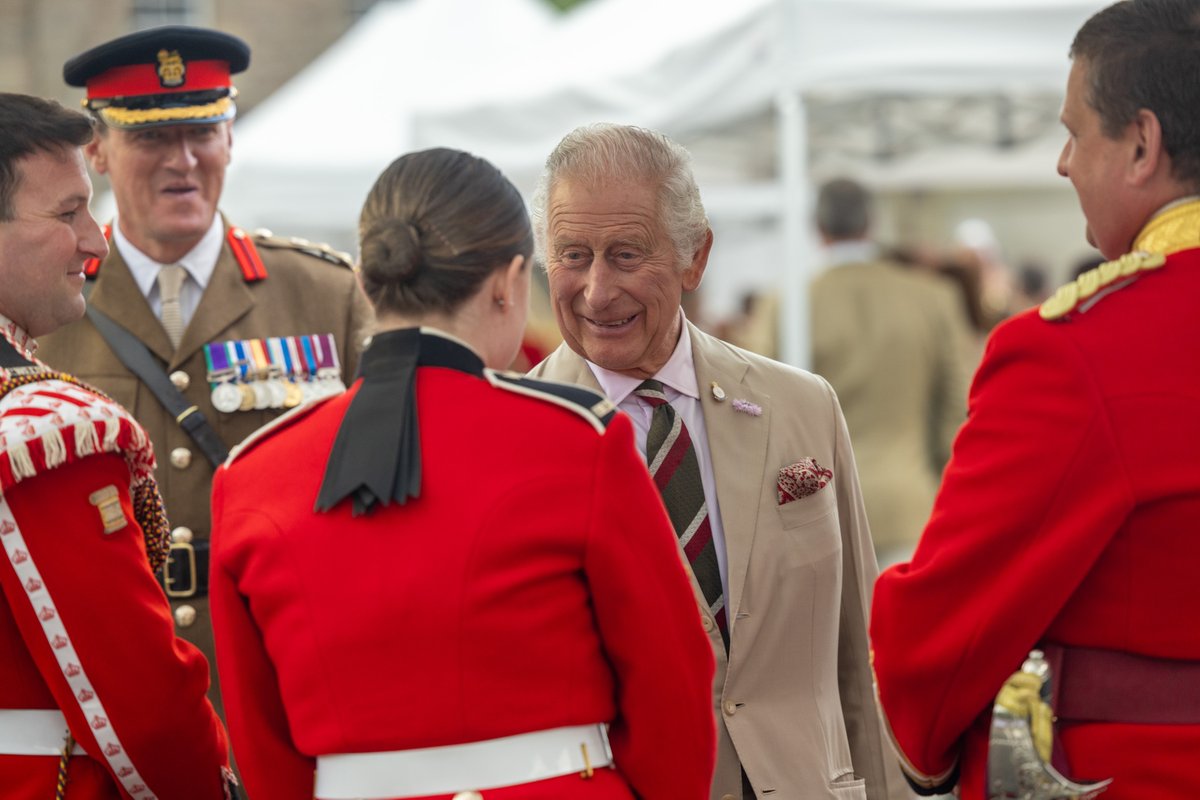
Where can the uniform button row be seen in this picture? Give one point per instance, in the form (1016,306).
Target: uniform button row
(185,615)
(181,458)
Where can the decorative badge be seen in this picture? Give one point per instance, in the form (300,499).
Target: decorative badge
(171,69)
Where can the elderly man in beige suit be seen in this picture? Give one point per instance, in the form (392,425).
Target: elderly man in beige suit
(753,461)
(894,343)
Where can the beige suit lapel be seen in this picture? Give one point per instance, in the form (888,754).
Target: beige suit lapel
(117,296)
(738,444)
(226,299)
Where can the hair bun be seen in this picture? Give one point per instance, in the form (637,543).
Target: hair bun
(391,251)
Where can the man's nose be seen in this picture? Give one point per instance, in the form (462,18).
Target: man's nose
(182,156)
(91,240)
(601,285)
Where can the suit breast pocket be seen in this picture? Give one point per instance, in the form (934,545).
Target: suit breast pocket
(805,510)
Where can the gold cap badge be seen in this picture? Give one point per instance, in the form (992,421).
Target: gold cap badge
(171,69)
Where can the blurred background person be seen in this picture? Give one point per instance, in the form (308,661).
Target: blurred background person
(894,344)
(205,331)
(488,583)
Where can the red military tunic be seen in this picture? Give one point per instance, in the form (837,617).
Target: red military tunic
(1068,515)
(84,627)
(534,584)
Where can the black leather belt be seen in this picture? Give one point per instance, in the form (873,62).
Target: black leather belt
(185,572)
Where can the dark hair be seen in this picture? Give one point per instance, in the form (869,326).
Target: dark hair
(843,209)
(1146,54)
(434,226)
(30,125)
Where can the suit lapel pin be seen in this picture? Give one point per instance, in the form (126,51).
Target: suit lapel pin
(717,392)
(746,407)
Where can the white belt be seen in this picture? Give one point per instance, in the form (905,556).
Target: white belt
(490,764)
(33,732)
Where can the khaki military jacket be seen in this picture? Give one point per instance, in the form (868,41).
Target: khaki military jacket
(894,345)
(303,293)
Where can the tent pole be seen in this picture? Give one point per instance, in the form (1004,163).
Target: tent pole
(799,247)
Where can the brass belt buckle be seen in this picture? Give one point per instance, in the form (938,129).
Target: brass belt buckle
(186,549)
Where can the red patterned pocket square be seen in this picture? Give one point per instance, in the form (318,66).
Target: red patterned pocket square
(801,479)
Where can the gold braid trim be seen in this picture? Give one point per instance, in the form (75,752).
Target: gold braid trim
(124,117)
(60,789)
(1175,228)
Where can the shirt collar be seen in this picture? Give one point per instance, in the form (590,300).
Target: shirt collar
(678,373)
(858,251)
(18,337)
(199,262)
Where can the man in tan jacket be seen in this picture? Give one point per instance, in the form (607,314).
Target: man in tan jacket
(753,461)
(894,344)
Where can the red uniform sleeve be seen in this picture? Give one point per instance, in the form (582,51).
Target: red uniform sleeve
(664,740)
(271,768)
(1007,544)
(131,691)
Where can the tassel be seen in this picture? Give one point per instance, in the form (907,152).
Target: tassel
(112,428)
(85,439)
(54,448)
(20,461)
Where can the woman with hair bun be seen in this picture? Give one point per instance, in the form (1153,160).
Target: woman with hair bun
(451,582)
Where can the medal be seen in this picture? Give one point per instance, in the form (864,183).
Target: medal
(328,370)
(226,397)
(293,395)
(248,398)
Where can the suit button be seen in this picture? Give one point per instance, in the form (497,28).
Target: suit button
(707,622)
(730,707)
(728,797)
(181,535)
(180,380)
(185,616)
(181,458)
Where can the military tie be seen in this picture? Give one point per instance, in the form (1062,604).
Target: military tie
(170,281)
(676,470)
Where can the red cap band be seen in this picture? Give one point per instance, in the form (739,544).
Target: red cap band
(135,80)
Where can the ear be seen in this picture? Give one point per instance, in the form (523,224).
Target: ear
(1149,156)
(96,154)
(694,272)
(229,142)
(506,282)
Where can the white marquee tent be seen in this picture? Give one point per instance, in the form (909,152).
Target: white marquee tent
(765,93)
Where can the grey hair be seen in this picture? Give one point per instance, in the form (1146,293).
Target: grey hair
(606,153)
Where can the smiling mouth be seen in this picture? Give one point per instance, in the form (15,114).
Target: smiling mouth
(611,324)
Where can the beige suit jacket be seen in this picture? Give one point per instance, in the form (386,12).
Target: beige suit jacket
(794,700)
(302,294)
(894,345)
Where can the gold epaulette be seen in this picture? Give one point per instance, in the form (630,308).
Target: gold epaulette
(1070,297)
(264,238)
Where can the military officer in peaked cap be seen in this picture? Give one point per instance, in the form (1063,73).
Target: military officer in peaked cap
(204,330)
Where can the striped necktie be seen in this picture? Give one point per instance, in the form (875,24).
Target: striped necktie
(170,282)
(676,471)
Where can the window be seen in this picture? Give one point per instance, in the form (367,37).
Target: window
(149,13)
